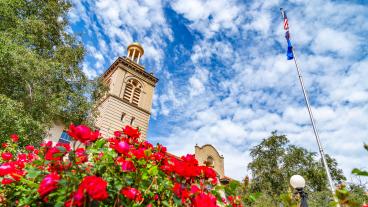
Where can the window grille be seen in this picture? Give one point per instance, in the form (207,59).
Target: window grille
(65,138)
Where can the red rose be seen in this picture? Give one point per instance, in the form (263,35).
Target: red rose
(31,157)
(7,155)
(81,155)
(127,166)
(48,184)
(7,181)
(22,157)
(208,172)
(190,159)
(66,146)
(4,145)
(30,148)
(14,137)
(139,153)
(95,187)
(131,193)
(54,153)
(155,197)
(194,189)
(83,133)
(46,144)
(117,134)
(205,200)
(122,147)
(77,199)
(131,132)
(7,168)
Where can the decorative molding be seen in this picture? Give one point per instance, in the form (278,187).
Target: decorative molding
(131,65)
(210,146)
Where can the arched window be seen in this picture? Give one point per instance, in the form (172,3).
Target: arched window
(209,161)
(132,91)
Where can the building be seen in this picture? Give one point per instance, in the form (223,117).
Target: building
(129,97)
(128,101)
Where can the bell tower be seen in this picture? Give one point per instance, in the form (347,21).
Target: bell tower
(130,93)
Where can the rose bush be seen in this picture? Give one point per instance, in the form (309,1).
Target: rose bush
(119,171)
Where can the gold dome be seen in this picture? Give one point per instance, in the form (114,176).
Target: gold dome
(137,46)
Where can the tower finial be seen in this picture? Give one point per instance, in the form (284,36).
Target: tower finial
(135,52)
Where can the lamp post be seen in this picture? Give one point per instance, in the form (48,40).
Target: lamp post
(298,183)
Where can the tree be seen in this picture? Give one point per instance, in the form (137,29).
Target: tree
(275,161)
(40,69)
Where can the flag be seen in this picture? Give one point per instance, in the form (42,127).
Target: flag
(286,22)
(289,53)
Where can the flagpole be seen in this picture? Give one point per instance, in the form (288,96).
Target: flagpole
(321,151)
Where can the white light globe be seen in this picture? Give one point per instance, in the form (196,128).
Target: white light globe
(297,181)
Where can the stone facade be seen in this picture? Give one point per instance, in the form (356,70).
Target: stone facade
(129,98)
(208,155)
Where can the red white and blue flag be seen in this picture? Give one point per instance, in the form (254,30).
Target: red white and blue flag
(286,22)
(289,53)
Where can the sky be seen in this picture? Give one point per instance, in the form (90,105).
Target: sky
(223,74)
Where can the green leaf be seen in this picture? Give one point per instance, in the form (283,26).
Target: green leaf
(359,172)
(153,171)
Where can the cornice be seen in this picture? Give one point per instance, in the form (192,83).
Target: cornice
(131,65)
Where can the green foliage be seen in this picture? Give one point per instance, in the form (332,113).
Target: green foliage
(40,68)
(14,118)
(241,188)
(361,172)
(119,171)
(275,161)
(350,196)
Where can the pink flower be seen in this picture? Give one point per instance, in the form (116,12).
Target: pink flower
(83,133)
(77,199)
(7,168)
(122,147)
(14,137)
(127,166)
(7,155)
(48,184)
(131,193)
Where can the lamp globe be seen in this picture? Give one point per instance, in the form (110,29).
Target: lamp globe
(297,181)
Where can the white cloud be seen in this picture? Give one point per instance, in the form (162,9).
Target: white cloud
(330,40)
(237,85)
(209,16)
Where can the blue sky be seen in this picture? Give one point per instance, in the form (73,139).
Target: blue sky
(224,77)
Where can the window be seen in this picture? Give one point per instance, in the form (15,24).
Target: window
(209,161)
(132,91)
(65,138)
(136,94)
(122,116)
(132,121)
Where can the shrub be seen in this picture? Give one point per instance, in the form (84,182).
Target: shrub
(118,171)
